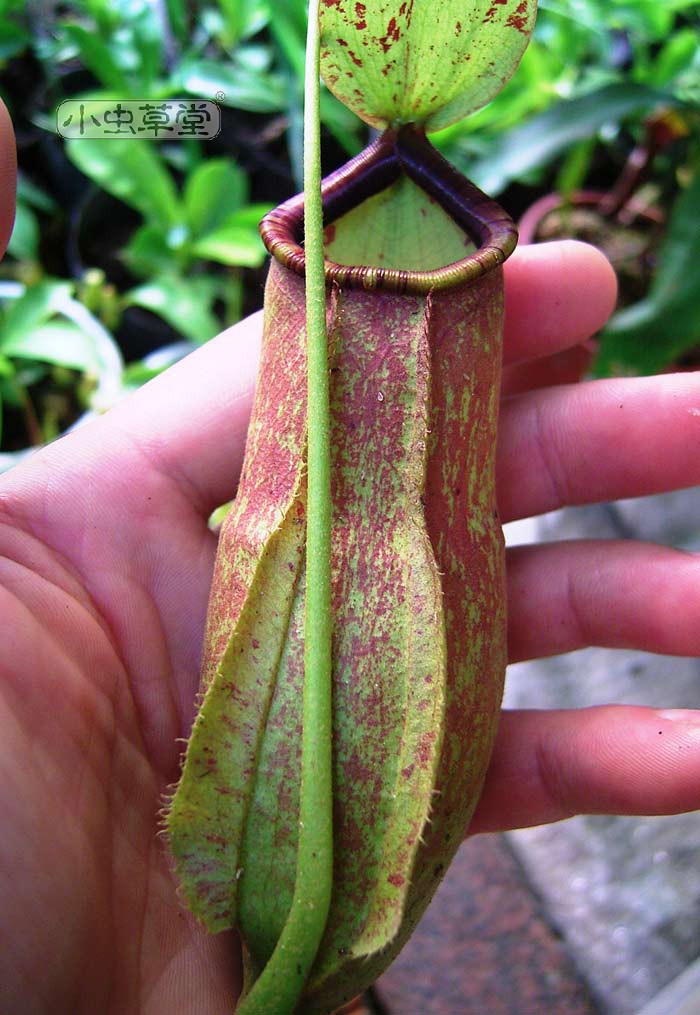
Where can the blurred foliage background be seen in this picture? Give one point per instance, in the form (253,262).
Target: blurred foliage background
(125,254)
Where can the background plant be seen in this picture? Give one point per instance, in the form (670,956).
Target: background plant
(160,239)
(56,360)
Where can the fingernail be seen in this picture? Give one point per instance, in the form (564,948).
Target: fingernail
(688,717)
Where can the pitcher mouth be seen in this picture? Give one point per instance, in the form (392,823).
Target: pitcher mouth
(404,151)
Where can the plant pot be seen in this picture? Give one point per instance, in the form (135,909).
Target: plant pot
(628,237)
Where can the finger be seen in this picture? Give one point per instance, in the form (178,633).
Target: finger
(565,367)
(602,440)
(142,512)
(8,177)
(612,593)
(172,448)
(610,759)
(191,421)
(201,436)
(557,295)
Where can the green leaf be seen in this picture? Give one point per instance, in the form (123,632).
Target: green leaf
(24,242)
(13,40)
(184,303)
(97,56)
(30,311)
(675,57)
(33,195)
(148,253)
(421,62)
(649,17)
(214,188)
(243,18)
(342,123)
(234,245)
(177,19)
(544,137)
(249,216)
(59,342)
(133,171)
(575,167)
(651,334)
(242,88)
(137,374)
(145,28)
(104,13)
(288,29)
(123,48)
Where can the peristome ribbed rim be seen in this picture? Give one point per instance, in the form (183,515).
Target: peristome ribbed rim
(395,152)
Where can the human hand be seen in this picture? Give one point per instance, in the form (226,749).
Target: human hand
(563,443)
(106,560)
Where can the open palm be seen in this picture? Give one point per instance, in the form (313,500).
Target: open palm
(105,564)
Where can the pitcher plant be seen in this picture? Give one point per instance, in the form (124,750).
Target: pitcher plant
(356,638)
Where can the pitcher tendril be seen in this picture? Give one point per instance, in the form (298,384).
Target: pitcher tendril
(282,980)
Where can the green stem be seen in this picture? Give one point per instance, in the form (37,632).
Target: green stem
(278,988)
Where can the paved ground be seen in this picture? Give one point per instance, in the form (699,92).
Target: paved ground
(624,892)
(594,914)
(486,946)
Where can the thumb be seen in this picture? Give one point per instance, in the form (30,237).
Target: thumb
(8,177)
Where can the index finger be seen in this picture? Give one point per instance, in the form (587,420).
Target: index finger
(557,295)
(192,420)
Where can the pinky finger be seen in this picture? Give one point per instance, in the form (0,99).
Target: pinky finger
(612,759)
